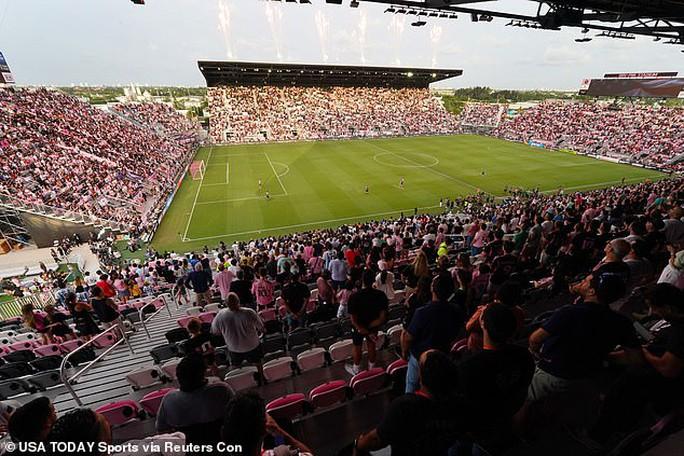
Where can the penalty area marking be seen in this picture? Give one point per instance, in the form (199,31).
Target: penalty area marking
(194,203)
(318,222)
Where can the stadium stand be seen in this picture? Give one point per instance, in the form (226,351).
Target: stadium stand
(475,288)
(63,156)
(647,135)
(250,114)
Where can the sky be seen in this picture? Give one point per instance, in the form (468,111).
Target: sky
(114,42)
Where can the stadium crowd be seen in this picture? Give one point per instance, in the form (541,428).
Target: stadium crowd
(643,134)
(519,315)
(269,113)
(60,152)
(482,114)
(162,117)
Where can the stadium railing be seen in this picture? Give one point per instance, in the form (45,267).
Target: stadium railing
(118,331)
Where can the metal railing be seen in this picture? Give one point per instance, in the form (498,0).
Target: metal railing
(11,309)
(142,319)
(68,381)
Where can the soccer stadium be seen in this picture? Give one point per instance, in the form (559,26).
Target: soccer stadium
(341,259)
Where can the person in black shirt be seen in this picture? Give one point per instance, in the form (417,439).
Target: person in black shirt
(573,344)
(368,311)
(424,423)
(242,287)
(655,372)
(295,296)
(200,342)
(434,326)
(494,381)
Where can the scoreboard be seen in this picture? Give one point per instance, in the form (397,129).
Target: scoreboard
(5,73)
(644,85)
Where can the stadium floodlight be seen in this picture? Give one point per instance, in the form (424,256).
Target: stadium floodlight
(584,39)
(434,14)
(354,4)
(334,2)
(444,15)
(413,12)
(474,17)
(423,13)
(390,10)
(138,2)
(401,11)
(308,2)
(657,38)
(453,16)
(418,24)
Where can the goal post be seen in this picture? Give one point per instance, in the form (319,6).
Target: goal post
(197,169)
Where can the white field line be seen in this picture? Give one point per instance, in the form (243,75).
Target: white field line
(418,165)
(275,173)
(227,173)
(235,200)
(300,225)
(194,203)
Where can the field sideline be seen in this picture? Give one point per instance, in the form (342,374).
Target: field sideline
(322,184)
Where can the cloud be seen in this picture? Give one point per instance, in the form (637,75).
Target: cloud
(565,55)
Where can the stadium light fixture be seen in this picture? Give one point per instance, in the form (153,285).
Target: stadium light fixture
(413,12)
(401,11)
(390,10)
(657,38)
(354,4)
(423,13)
(418,24)
(409,74)
(584,39)
(453,16)
(434,14)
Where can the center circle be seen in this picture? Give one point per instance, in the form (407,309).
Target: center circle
(413,160)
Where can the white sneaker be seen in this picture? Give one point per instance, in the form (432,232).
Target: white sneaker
(353,369)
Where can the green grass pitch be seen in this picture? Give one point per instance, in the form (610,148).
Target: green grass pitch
(321,184)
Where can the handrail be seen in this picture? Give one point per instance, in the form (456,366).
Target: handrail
(140,312)
(62,368)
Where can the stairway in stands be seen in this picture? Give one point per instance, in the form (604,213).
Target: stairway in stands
(106,381)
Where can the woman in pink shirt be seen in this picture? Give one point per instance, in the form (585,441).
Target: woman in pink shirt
(479,240)
(262,289)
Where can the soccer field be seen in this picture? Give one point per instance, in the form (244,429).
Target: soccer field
(322,184)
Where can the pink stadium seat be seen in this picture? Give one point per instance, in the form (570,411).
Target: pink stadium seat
(459,346)
(4,349)
(243,378)
(120,412)
(122,307)
(368,381)
(278,368)
(21,337)
(339,351)
(152,401)
(282,311)
(47,350)
(267,314)
(23,345)
(107,340)
(397,366)
(311,359)
(183,321)
(288,407)
(328,394)
(207,317)
(70,345)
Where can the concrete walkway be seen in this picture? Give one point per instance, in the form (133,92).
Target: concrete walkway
(13,263)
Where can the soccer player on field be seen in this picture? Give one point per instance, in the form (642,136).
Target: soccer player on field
(365,189)
(401,183)
(268,195)
(259,185)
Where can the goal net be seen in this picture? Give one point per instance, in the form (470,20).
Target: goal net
(197,169)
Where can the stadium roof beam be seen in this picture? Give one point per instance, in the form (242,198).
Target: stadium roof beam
(663,19)
(218,73)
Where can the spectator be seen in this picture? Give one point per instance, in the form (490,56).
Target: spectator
(241,328)
(368,311)
(32,421)
(425,422)
(199,281)
(434,326)
(196,409)
(247,424)
(81,425)
(295,296)
(223,280)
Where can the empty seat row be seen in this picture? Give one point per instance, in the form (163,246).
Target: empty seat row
(333,392)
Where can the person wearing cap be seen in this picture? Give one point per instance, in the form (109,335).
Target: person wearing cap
(572,345)
(674,271)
